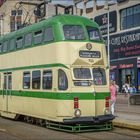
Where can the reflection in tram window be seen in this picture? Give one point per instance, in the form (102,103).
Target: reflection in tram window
(82,73)
(36,79)
(99,77)
(62,80)
(26,80)
(47,79)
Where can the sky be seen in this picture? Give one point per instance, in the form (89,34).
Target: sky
(80,5)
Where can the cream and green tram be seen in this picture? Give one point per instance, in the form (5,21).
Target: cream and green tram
(55,72)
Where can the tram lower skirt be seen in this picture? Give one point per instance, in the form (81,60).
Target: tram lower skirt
(79,128)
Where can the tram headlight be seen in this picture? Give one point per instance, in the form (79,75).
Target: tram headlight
(77,113)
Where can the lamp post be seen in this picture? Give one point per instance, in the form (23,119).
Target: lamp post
(108,38)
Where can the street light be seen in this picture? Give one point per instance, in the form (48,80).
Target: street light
(108,39)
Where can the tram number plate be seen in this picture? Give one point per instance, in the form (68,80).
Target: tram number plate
(89,54)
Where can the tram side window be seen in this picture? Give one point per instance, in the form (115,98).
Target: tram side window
(19,42)
(93,33)
(26,80)
(99,77)
(73,32)
(47,79)
(36,75)
(12,44)
(48,34)
(28,40)
(5,46)
(62,80)
(0,48)
(38,37)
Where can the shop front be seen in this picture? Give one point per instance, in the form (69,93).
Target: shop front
(125,58)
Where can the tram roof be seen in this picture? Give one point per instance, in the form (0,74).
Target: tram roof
(59,19)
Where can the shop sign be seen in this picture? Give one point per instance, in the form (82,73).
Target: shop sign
(102,20)
(124,66)
(125,45)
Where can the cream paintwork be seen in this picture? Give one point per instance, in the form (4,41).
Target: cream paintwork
(54,110)
(52,53)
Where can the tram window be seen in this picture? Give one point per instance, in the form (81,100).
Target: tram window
(19,42)
(73,32)
(0,80)
(0,48)
(36,79)
(82,73)
(5,46)
(47,79)
(99,77)
(28,40)
(26,80)
(48,34)
(93,33)
(12,44)
(62,80)
(38,37)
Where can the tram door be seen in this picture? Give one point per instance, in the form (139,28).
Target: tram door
(7,87)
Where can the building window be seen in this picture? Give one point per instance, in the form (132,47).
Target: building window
(16,19)
(47,79)
(36,79)
(130,17)
(62,80)
(26,80)
(48,34)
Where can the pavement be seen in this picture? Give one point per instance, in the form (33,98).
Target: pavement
(127,116)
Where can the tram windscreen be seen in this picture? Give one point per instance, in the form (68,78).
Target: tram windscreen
(99,77)
(73,32)
(93,33)
(82,73)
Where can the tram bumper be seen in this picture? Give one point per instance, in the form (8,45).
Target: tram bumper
(89,120)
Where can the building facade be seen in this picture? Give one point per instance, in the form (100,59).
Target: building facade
(124,27)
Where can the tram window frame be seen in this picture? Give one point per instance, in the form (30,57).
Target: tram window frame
(62,86)
(1,47)
(5,46)
(20,41)
(28,38)
(48,34)
(37,83)
(38,34)
(12,42)
(28,86)
(100,81)
(47,84)
(68,33)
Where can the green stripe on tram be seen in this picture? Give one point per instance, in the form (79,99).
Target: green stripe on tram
(35,67)
(58,95)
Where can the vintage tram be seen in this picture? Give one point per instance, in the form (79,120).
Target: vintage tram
(56,72)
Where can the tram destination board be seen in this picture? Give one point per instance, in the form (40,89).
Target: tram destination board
(89,54)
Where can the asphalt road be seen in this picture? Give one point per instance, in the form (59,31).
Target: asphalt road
(15,130)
